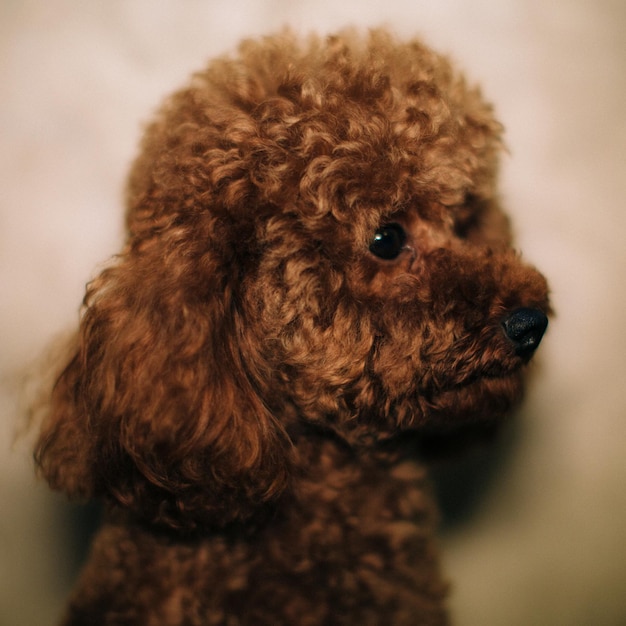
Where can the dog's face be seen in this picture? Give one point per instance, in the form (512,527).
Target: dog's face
(406,329)
(314,237)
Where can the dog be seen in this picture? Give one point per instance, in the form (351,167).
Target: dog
(316,268)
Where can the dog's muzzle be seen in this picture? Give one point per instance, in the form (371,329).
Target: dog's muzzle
(525,328)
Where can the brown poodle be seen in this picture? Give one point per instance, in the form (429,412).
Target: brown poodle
(316,269)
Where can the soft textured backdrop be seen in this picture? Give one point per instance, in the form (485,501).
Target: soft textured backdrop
(548,542)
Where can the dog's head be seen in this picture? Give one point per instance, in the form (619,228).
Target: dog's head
(314,236)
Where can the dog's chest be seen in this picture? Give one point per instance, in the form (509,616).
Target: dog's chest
(352,547)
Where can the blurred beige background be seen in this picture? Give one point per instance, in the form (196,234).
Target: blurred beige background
(547,545)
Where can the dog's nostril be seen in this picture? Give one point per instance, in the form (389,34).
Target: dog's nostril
(525,328)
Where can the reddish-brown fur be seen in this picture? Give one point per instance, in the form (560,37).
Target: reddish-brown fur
(248,381)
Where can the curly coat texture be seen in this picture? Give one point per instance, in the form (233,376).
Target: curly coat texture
(248,382)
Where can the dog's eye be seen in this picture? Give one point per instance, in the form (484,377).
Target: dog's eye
(388,241)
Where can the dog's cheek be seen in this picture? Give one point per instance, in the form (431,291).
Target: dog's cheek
(320,368)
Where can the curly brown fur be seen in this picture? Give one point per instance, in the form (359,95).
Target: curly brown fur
(248,379)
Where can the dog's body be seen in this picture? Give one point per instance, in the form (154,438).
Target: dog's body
(353,546)
(317,267)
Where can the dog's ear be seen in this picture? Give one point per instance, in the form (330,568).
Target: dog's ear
(156,410)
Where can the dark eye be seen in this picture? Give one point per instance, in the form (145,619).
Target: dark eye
(388,241)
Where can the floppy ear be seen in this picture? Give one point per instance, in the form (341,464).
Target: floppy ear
(156,410)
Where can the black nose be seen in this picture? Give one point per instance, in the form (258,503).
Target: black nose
(525,328)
